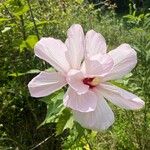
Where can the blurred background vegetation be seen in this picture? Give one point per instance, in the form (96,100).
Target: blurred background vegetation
(22,118)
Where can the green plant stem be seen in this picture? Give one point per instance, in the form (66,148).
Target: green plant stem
(33,20)
(23,27)
(22,22)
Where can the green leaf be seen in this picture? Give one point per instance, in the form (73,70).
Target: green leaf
(6,29)
(21,10)
(62,121)
(17,74)
(79,1)
(80,129)
(23,45)
(69,123)
(3,19)
(32,71)
(31,41)
(53,111)
(54,106)
(58,95)
(41,23)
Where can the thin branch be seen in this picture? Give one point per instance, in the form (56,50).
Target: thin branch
(41,142)
(23,27)
(32,17)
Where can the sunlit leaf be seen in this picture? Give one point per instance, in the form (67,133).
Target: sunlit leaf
(54,106)
(3,19)
(32,71)
(62,121)
(22,10)
(6,29)
(69,123)
(31,41)
(23,45)
(79,1)
(17,74)
(41,23)
(58,95)
(53,111)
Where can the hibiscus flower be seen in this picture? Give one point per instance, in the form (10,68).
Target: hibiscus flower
(83,63)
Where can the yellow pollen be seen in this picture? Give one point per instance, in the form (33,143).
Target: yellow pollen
(95,81)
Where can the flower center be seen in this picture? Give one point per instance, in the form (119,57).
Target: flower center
(91,82)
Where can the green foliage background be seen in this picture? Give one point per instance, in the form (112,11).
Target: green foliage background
(27,123)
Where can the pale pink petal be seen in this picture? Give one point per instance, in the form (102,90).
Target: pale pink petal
(75,80)
(95,43)
(120,97)
(46,83)
(84,102)
(98,65)
(53,51)
(76,45)
(125,59)
(99,119)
